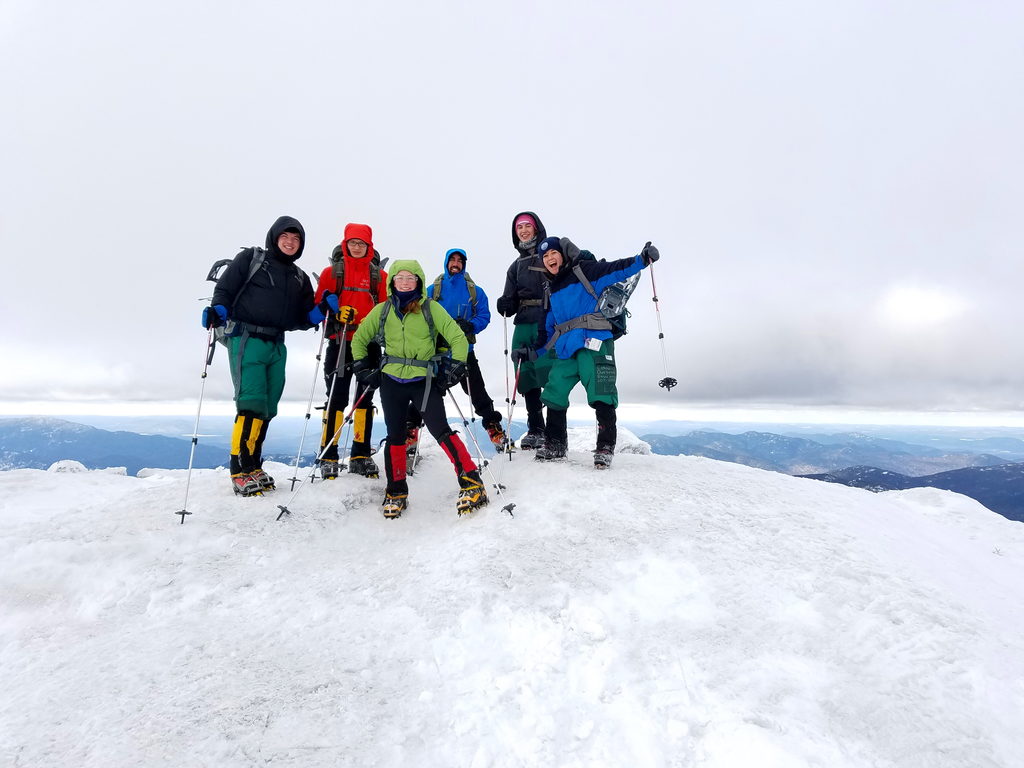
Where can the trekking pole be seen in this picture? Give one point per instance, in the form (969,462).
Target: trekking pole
(668,382)
(509,396)
(511,408)
(484,463)
(295,492)
(411,468)
(309,408)
(469,427)
(211,347)
(339,365)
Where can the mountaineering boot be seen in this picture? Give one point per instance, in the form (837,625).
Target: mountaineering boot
(393,504)
(531,440)
(603,457)
(552,450)
(245,485)
(363,465)
(497,436)
(329,469)
(266,481)
(472,494)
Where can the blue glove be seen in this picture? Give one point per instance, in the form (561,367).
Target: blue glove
(649,254)
(328,305)
(215,319)
(523,355)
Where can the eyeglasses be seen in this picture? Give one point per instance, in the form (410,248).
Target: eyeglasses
(356,243)
(405,278)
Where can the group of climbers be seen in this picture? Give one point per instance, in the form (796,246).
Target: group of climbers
(412,341)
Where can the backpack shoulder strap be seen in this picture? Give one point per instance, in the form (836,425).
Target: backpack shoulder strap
(379,338)
(425,306)
(471,287)
(375,266)
(259,256)
(578,271)
(437,287)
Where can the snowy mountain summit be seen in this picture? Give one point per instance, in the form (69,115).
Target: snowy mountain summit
(670,611)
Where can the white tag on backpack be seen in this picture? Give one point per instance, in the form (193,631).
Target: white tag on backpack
(594,345)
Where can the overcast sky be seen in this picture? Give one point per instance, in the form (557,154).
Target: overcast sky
(836,188)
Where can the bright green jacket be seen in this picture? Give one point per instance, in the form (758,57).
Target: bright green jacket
(408,335)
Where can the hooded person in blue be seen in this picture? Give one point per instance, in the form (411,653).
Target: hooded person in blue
(466,302)
(584,350)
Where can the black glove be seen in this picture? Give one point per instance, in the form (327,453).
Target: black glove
(523,355)
(454,372)
(366,374)
(650,254)
(506,306)
(465,325)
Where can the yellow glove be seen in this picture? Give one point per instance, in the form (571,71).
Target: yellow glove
(346,314)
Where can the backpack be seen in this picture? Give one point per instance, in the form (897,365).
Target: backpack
(611,304)
(424,307)
(470,285)
(431,367)
(231,328)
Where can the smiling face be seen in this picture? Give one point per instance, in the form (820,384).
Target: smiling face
(404,281)
(525,231)
(455,264)
(289,243)
(553,261)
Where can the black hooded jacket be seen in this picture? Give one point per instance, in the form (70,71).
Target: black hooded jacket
(278,296)
(524,281)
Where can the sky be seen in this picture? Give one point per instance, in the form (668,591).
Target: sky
(835,188)
(671,611)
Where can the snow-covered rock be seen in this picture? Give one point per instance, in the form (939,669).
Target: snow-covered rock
(67,465)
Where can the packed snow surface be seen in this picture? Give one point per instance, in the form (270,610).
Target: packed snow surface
(671,611)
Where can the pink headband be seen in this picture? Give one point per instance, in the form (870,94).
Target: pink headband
(525,217)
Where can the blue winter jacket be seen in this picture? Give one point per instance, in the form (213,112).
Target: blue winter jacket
(455,295)
(570,298)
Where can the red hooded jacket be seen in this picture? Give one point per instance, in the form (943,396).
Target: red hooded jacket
(355,292)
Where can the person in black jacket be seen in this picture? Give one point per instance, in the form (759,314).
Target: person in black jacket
(261,295)
(525,298)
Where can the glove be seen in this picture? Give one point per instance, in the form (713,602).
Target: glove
(465,325)
(454,372)
(365,374)
(506,306)
(346,315)
(523,355)
(328,304)
(649,254)
(215,318)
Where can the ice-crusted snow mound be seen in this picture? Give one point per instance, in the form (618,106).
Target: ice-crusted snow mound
(585,439)
(670,611)
(67,465)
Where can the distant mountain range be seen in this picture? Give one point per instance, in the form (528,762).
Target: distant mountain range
(851,458)
(1000,488)
(36,443)
(824,453)
(864,461)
